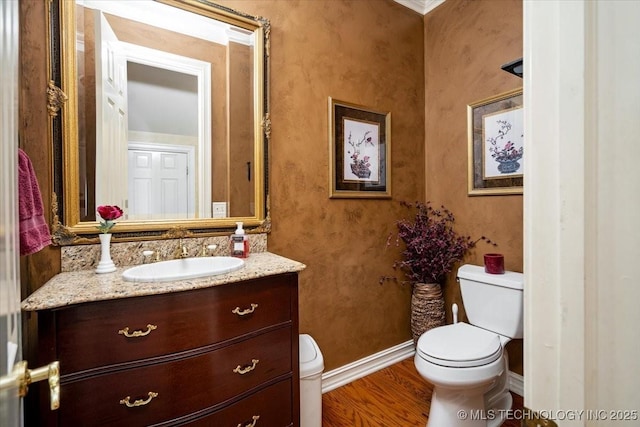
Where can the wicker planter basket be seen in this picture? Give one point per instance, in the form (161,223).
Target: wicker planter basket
(427,308)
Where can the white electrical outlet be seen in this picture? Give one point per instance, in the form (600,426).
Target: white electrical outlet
(219,209)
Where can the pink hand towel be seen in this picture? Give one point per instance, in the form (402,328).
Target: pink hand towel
(34,231)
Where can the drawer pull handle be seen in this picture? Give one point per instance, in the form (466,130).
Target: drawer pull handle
(245,312)
(240,370)
(138,402)
(255,419)
(135,334)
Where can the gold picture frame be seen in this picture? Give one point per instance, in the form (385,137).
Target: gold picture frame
(360,151)
(496,151)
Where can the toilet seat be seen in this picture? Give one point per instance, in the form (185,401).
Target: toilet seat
(459,346)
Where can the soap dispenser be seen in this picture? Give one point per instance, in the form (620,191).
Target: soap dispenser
(239,242)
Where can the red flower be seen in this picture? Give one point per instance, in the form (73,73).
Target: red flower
(109,213)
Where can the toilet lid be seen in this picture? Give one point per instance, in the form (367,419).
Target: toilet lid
(459,345)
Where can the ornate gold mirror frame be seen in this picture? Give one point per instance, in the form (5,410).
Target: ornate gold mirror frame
(62,95)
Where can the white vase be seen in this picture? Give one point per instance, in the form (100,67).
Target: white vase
(105,265)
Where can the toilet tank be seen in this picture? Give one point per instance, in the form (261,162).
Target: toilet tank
(493,301)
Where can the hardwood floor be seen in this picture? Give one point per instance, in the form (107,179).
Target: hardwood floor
(396,396)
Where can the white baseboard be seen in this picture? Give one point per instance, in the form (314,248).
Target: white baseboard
(370,364)
(365,366)
(516,383)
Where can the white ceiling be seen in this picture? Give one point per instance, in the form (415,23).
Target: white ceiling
(421,6)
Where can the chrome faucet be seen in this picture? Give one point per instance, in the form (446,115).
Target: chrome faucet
(181,251)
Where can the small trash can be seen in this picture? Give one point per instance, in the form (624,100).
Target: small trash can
(311,367)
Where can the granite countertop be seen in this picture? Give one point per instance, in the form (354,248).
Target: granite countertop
(77,287)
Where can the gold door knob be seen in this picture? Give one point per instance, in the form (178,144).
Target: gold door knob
(21,377)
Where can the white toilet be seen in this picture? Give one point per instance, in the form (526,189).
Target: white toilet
(466,362)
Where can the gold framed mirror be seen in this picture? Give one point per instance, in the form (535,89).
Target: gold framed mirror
(160,107)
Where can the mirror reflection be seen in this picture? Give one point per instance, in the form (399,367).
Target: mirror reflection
(166,103)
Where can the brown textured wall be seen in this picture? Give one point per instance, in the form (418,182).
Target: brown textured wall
(466,42)
(241,131)
(87,114)
(35,269)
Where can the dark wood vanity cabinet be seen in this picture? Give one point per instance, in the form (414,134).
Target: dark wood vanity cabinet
(218,356)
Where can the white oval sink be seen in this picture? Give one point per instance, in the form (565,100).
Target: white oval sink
(179,269)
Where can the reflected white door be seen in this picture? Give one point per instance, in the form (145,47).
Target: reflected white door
(111,116)
(159,185)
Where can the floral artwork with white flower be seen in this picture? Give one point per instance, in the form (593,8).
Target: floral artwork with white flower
(361,150)
(503,136)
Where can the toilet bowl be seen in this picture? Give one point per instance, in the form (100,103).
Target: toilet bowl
(467,362)
(468,375)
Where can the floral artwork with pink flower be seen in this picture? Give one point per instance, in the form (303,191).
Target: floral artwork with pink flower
(361,150)
(503,136)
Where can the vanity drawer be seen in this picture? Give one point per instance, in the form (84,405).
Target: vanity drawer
(89,335)
(272,405)
(183,386)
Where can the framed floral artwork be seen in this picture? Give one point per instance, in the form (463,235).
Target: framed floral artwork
(496,145)
(360,151)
